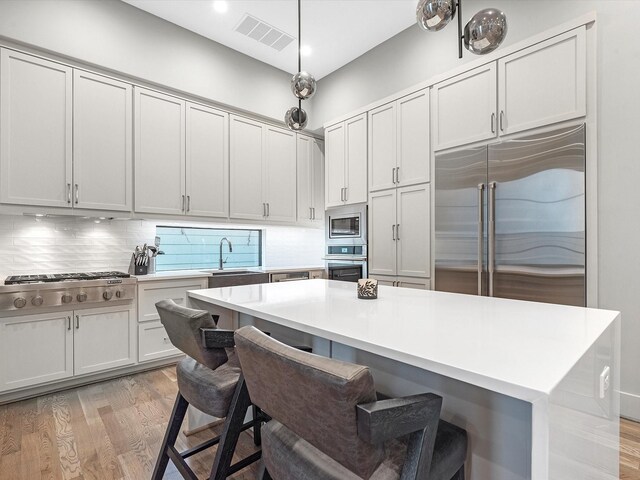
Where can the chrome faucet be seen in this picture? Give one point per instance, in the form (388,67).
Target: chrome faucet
(230,250)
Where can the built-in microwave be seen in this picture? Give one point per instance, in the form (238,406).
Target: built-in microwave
(346,225)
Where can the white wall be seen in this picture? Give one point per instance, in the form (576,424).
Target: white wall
(115,35)
(70,244)
(414,56)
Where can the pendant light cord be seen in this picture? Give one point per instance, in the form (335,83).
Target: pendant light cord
(299,49)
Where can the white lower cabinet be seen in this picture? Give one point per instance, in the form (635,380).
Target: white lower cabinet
(103,338)
(405,282)
(153,341)
(42,348)
(35,349)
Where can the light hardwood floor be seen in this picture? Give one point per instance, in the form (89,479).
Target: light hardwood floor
(105,431)
(113,430)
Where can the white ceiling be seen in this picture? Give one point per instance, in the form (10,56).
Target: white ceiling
(338,31)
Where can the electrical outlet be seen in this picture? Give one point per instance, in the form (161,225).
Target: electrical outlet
(605,381)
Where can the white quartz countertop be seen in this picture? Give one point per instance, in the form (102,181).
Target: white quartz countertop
(520,349)
(178,274)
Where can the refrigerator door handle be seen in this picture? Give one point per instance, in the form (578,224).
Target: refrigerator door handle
(492,234)
(480,235)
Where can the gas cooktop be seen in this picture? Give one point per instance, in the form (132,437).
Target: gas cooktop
(62,277)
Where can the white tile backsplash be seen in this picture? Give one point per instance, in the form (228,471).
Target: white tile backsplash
(30,244)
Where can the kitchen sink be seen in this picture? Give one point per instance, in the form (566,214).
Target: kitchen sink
(230,278)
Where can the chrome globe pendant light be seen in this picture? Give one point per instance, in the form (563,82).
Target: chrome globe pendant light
(482,34)
(303,86)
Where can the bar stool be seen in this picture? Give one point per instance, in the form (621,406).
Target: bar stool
(327,424)
(209,378)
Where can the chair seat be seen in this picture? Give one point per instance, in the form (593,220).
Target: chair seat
(210,391)
(280,445)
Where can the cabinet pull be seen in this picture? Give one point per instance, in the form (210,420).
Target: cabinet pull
(69,193)
(393,175)
(397,231)
(77,321)
(393,232)
(342,194)
(268,210)
(310,214)
(69,323)
(313,211)
(77,193)
(501,120)
(183,199)
(493,120)
(188,203)
(398,175)
(346,193)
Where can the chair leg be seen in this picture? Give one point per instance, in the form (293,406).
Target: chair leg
(459,475)
(257,428)
(170,436)
(231,432)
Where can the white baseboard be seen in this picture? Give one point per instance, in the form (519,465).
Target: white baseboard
(630,406)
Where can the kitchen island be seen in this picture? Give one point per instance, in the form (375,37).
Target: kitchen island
(535,385)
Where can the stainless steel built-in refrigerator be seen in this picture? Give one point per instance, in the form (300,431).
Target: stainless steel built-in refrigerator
(510,219)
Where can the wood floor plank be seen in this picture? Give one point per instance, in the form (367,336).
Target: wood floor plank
(65,439)
(12,431)
(48,453)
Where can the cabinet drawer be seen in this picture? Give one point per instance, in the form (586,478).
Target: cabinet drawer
(153,292)
(154,343)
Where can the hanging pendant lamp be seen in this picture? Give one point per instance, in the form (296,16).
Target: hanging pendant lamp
(482,34)
(303,87)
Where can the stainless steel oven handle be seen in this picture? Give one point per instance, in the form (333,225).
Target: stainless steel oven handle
(492,234)
(480,234)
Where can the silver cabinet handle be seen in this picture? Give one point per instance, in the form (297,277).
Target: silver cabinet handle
(69,323)
(188,203)
(264,209)
(501,120)
(342,194)
(398,175)
(310,213)
(346,194)
(393,175)
(493,121)
(268,210)
(183,208)
(77,193)
(397,231)
(314,213)
(77,321)
(480,234)
(492,234)
(68,193)
(393,232)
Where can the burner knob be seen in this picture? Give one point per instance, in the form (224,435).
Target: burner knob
(118,293)
(107,294)
(19,302)
(66,298)
(82,297)
(37,300)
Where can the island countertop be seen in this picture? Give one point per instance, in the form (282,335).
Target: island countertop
(521,349)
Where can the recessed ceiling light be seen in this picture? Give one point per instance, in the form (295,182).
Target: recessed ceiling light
(305,50)
(220,6)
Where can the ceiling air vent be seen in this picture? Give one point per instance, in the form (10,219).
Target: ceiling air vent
(263,32)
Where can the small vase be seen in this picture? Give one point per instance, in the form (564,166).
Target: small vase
(367,288)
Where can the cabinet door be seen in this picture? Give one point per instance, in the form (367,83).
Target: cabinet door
(35,131)
(384,280)
(305,178)
(104,338)
(159,153)
(464,108)
(102,142)
(413,139)
(280,174)
(245,166)
(382,147)
(417,283)
(154,343)
(382,233)
(543,84)
(356,159)
(317,180)
(335,169)
(414,231)
(35,349)
(207,162)
(150,293)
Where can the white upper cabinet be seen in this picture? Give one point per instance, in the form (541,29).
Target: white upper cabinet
(159,153)
(346,162)
(543,84)
(280,174)
(207,162)
(310,179)
(102,143)
(262,171)
(464,108)
(246,183)
(399,142)
(35,131)
(537,86)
